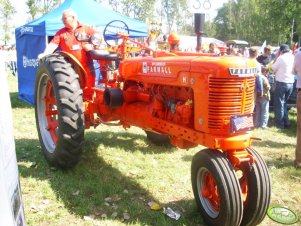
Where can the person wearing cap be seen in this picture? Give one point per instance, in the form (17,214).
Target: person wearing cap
(283,70)
(297,71)
(174,42)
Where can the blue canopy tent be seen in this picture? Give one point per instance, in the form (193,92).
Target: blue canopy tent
(32,37)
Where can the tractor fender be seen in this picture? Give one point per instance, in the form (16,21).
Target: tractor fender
(78,67)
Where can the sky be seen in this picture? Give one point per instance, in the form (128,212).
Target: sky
(209,7)
(20,17)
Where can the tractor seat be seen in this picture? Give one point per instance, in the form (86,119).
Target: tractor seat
(103,55)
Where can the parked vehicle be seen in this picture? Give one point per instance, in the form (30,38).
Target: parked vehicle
(190,98)
(239,44)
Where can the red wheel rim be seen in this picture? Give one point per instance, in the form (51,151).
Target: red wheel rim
(51,111)
(210,191)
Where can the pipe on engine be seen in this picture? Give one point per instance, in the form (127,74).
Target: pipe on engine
(113,97)
(199,25)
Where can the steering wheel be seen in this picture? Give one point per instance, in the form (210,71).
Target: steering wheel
(112,30)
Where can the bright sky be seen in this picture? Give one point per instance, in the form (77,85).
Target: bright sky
(209,7)
(20,17)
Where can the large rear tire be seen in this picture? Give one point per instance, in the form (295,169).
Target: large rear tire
(59,111)
(256,187)
(216,188)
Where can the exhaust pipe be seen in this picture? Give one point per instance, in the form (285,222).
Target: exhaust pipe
(199,25)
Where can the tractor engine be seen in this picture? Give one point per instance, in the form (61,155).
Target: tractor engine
(173,104)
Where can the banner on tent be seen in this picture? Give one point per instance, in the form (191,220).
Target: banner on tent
(28,64)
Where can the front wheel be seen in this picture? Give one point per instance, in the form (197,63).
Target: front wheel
(58,111)
(216,188)
(256,188)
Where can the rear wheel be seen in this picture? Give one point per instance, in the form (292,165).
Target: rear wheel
(216,188)
(256,188)
(58,111)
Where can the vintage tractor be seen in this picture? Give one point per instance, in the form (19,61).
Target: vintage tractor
(188,98)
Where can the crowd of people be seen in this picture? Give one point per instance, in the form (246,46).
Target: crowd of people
(284,66)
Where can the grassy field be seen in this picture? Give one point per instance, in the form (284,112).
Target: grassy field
(121,173)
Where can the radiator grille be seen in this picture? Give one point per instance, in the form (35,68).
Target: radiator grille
(229,97)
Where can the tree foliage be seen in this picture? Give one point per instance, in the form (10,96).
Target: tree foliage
(259,20)
(6,11)
(139,9)
(173,11)
(37,8)
(33,9)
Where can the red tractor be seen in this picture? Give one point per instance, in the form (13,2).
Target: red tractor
(190,99)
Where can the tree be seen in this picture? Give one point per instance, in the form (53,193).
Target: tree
(139,9)
(259,20)
(223,23)
(172,10)
(7,11)
(47,5)
(33,9)
(38,8)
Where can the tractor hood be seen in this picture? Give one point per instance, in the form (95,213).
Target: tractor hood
(170,67)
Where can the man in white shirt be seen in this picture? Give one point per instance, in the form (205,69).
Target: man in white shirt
(297,71)
(283,69)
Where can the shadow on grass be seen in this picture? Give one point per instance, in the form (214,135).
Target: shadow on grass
(273,144)
(127,141)
(96,179)
(289,131)
(18,103)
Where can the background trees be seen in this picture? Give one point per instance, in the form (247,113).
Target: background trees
(37,8)
(276,21)
(6,12)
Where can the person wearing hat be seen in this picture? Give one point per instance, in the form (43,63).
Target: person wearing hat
(297,71)
(283,70)
(174,42)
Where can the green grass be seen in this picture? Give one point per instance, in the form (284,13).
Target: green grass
(121,172)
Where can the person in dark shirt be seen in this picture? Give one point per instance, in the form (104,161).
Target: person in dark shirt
(265,58)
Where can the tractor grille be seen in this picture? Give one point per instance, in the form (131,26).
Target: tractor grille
(229,97)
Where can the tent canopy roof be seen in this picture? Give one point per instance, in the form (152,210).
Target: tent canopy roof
(88,12)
